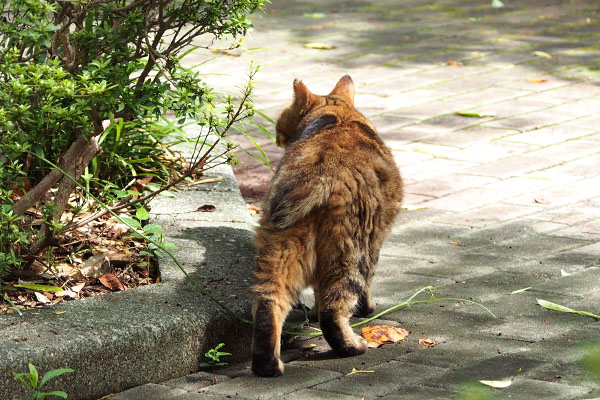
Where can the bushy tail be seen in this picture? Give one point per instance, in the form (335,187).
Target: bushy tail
(293,200)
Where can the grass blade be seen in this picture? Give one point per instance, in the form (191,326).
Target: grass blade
(557,307)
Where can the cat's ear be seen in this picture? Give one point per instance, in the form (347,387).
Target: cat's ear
(345,89)
(303,98)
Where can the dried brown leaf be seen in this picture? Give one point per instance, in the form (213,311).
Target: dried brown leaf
(227,52)
(384,334)
(95,266)
(41,298)
(427,342)
(111,282)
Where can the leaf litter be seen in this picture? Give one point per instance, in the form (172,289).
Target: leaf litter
(96,258)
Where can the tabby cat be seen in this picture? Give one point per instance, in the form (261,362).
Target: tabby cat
(330,205)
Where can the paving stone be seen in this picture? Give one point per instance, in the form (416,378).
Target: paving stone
(513,166)
(447,184)
(433,168)
(149,391)
(492,204)
(533,247)
(469,136)
(488,215)
(294,378)
(317,395)
(551,135)
(467,199)
(197,381)
(384,380)
(489,95)
(417,392)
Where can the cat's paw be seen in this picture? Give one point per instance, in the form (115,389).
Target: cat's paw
(359,347)
(266,366)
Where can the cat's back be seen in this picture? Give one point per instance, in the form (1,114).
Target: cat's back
(334,161)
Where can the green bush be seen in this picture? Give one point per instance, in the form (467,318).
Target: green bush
(99,74)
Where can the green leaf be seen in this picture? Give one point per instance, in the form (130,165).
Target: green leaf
(497,4)
(44,288)
(152,228)
(557,307)
(33,375)
(131,222)
(316,15)
(54,373)
(57,393)
(318,46)
(170,246)
(541,54)
(142,214)
(473,114)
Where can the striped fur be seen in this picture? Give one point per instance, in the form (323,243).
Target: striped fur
(330,205)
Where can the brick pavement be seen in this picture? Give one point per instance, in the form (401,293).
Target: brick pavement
(493,204)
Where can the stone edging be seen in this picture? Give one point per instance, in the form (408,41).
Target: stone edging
(152,333)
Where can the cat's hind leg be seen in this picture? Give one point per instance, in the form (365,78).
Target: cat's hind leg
(284,266)
(269,315)
(338,301)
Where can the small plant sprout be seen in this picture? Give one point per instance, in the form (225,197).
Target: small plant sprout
(214,357)
(34,386)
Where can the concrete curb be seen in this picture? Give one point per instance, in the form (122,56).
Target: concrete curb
(152,333)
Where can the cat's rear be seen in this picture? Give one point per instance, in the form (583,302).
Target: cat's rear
(333,198)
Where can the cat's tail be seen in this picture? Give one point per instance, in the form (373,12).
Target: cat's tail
(292,200)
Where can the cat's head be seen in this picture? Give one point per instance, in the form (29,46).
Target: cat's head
(305,102)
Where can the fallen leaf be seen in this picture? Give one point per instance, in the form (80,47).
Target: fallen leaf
(253,210)
(64,269)
(207,208)
(207,180)
(227,52)
(41,298)
(557,307)
(316,15)
(309,346)
(67,293)
(96,265)
(497,4)
(427,342)
(538,80)
(318,46)
(519,290)
(498,384)
(455,63)
(473,114)
(541,54)
(77,288)
(46,288)
(384,334)
(458,244)
(140,184)
(413,207)
(359,371)
(111,282)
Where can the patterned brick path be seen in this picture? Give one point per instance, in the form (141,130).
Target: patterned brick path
(493,115)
